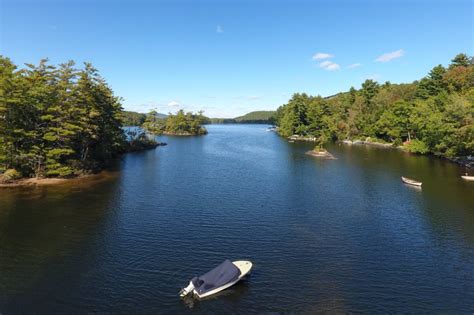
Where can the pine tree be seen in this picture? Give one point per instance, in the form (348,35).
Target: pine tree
(461,60)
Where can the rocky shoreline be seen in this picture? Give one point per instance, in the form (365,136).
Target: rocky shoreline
(301,138)
(86,179)
(133,146)
(142,146)
(323,154)
(375,144)
(183,134)
(461,161)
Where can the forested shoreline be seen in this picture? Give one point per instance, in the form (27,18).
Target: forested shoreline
(431,116)
(58,121)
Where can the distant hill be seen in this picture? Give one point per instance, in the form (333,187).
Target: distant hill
(257,117)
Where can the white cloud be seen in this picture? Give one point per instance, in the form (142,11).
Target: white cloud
(324,64)
(329,65)
(354,65)
(219,29)
(174,104)
(390,56)
(333,66)
(320,56)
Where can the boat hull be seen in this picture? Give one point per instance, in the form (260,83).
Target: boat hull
(470,178)
(244,267)
(411,182)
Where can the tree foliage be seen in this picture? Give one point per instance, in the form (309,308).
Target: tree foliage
(133,118)
(433,115)
(181,123)
(256,117)
(56,120)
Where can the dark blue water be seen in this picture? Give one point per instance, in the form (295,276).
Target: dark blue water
(339,235)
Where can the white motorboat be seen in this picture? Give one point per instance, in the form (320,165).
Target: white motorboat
(220,278)
(467,177)
(411,181)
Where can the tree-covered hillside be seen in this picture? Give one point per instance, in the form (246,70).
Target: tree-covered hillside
(256,117)
(433,115)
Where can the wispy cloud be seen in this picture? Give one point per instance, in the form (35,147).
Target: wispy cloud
(354,65)
(219,29)
(254,97)
(329,65)
(325,63)
(174,104)
(321,56)
(390,56)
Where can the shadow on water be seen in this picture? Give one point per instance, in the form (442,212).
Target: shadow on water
(229,296)
(44,233)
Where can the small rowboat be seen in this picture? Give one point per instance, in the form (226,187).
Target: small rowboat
(466,177)
(220,278)
(411,181)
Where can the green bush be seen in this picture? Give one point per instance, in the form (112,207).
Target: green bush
(9,175)
(417,146)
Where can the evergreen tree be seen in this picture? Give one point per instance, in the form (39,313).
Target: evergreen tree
(432,84)
(461,60)
(56,121)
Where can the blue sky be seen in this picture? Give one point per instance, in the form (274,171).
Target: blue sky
(232,57)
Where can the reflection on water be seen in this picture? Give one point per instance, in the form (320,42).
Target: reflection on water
(230,295)
(42,227)
(341,235)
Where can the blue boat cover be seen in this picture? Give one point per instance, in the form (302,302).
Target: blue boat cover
(224,273)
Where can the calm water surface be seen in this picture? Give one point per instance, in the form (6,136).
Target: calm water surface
(343,235)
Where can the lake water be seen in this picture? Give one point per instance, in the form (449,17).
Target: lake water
(341,235)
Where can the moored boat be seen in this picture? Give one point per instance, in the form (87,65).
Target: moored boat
(467,177)
(220,278)
(411,181)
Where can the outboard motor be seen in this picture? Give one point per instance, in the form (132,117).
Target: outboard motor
(187,290)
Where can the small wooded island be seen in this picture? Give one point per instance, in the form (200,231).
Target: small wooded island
(179,124)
